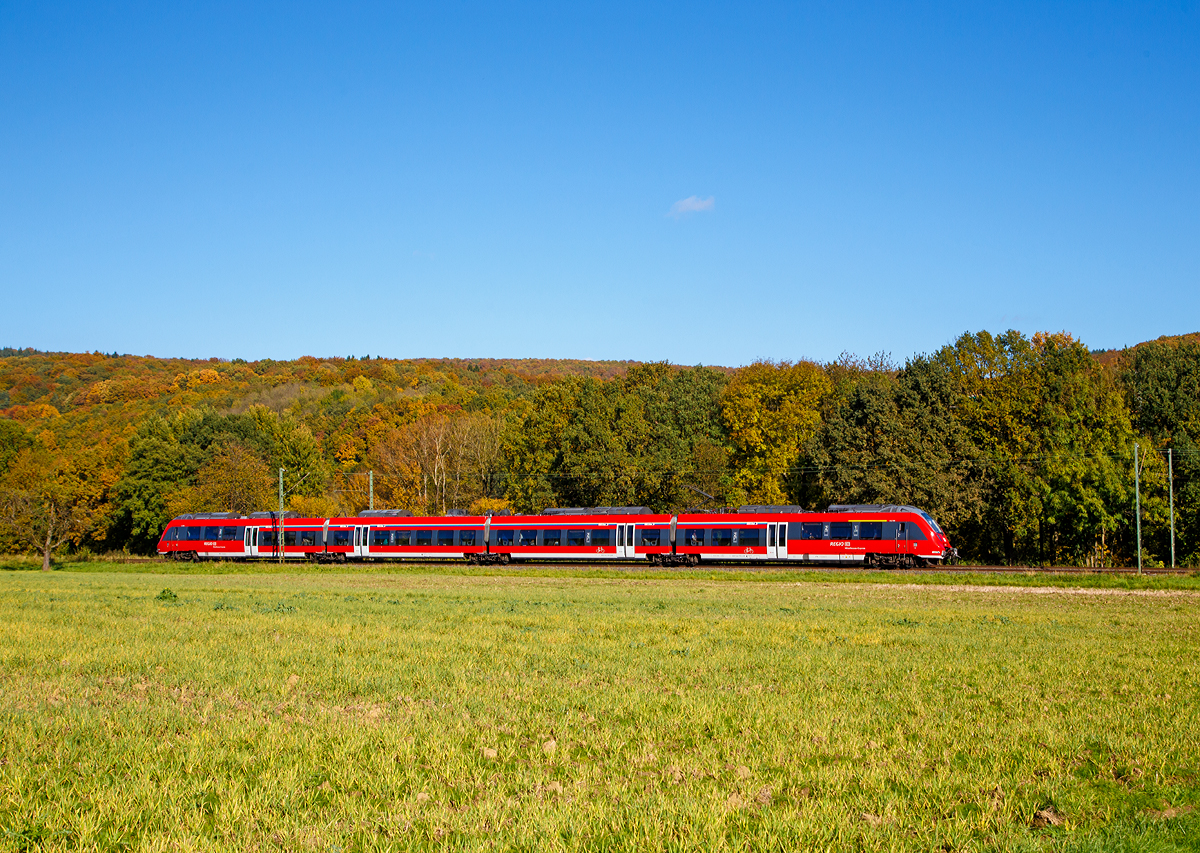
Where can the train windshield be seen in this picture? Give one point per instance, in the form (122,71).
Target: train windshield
(932,523)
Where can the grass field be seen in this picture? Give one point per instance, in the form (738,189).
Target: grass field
(434,709)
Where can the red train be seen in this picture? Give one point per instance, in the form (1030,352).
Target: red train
(873,535)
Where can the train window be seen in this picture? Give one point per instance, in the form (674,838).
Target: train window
(466,537)
(381,538)
(812,530)
(341,538)
(651,537)
(721,538)
(840,529)
(308,537)
(752,536)
(266,539)
(551,537)
(603,536)
(423,537)
(445,538)
(783,535)
(579,537)
(212,533)
(254,539)
(504,537)
(195,534)
(527,537)
(621,535)
(230,534)
(770,535)
(912,531)
(402,537)
(870,530)
(691,537)
(289,538)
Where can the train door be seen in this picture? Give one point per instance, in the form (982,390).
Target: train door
(624,541)
(903,545)
(250,542)
(772,548)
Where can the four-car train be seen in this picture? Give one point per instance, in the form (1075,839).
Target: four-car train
(863,534)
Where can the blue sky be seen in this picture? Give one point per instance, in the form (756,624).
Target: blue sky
(699,183)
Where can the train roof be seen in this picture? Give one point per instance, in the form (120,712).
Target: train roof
(874,508)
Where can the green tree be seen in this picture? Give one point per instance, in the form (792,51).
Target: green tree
(1161,384)
(13,439)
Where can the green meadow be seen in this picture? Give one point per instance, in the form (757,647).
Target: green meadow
(433,709)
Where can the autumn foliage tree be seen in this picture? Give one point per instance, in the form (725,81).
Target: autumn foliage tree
(235,479)
(47,501)
(770,410)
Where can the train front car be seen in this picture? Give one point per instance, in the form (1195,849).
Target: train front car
(204,536)
(881,535)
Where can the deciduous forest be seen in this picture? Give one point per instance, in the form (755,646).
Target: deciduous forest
(1023,448)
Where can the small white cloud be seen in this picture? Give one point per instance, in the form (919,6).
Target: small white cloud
(692,204)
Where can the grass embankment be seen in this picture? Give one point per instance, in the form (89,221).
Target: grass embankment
(1096,579)
(369,711)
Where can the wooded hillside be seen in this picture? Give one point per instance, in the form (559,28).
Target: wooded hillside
(1022,448)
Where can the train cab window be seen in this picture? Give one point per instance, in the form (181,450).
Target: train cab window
(722,538)
(870,530)
(445,538)
(752,536)
(812,530)
(504,537)
(551,537)
(466,537)
(603,536)
(402,537)
(424,537)
(911,531)
(840,529)
(381,538)
(527,537)
(289,538)
(341,538)
(579,538)
(691,537)
(651,537)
